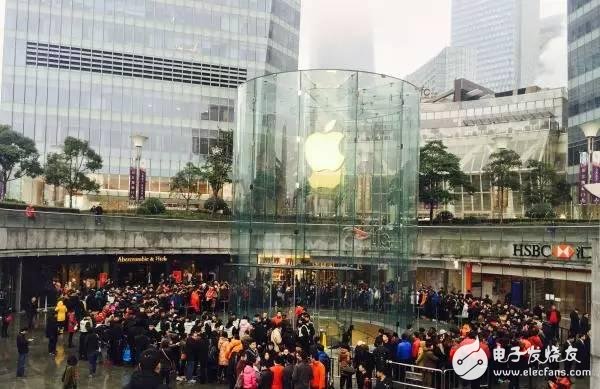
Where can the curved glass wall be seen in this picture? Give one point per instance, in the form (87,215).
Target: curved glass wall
(325,195)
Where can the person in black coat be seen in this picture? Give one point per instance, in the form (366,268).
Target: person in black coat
(584,325)
(147,377)
(203,357)
(92,346)
(142,343)
(574,328)
(31,312)
(364,358)
(23,351)
(51,333)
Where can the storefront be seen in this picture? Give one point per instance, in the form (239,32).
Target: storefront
(44,276)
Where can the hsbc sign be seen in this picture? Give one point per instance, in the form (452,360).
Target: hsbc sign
(561,251)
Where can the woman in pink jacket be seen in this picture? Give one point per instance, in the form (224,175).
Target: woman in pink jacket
(249,376)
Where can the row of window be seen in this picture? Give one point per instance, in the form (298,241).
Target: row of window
(584,25)
(476,112)
(585,97)
(100,61)
(584,59)
(573,5)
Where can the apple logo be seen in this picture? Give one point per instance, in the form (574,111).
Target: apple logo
(322,152)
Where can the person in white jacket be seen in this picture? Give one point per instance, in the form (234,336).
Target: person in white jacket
(276,337)
(245,327)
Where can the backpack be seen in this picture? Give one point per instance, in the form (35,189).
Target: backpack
(127,354)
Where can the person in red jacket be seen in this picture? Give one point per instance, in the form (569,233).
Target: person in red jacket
(277,370)
(318,374)
(416,346)
(553,317)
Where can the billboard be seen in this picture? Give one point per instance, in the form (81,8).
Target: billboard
(583,176)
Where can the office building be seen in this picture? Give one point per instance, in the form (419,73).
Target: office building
(106,70)
(439,73)
(505,35)
(584,84)
(473,122)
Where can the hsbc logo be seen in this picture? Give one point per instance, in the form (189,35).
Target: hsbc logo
(562,251)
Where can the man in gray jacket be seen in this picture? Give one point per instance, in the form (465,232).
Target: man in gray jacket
(302,372)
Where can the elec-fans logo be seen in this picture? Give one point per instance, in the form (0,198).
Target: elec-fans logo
(470,361)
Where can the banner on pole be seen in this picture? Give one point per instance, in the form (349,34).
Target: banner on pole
(583,176)
(142,185)
(132,183)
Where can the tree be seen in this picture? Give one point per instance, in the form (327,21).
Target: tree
(186,183)
(439,176)
(70,168)
(217,168)
(18,158)
(502,172)
(544,189)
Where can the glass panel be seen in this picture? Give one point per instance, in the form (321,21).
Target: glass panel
(325,194)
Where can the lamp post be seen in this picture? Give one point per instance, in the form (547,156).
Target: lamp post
(138,142)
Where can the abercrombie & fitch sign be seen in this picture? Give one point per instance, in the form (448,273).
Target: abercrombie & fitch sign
(562,251)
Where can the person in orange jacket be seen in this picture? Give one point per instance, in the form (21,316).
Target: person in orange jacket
(235,345)
(318,373)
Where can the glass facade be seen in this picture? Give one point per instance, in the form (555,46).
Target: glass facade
(505,36)
(439,73)
(102,70)
(325,192)
(532,124)
(584,75)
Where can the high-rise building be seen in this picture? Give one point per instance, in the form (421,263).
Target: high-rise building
(505,34)
(584,80)
(439,73)
(104,70)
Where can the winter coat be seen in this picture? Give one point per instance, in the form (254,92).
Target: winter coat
(244,327)
(145,380)
(249,378)
(302,376)
(277,371)
(71,322)
(318,375)
(235,345)
(223,346)
(61,311)
(276,338)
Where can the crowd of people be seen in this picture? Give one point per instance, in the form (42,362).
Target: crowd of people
(178,331)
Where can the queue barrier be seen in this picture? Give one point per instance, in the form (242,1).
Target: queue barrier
(406,375)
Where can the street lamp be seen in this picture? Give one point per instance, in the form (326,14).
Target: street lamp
(138,142)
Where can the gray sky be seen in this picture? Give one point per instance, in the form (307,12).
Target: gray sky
(395,37)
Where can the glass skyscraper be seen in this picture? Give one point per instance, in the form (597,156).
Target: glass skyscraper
(584,78)
(505,34)
(104,70)
(439,73)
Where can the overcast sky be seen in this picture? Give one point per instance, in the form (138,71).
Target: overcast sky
(395,37)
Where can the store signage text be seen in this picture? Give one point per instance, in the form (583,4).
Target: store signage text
(560,251)
(142,259)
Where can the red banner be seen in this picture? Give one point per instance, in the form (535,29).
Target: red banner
(142,186)
(132,183)
(583,177)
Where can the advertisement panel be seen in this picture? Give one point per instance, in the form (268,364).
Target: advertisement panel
(583,175)
(132,183)
(142,185)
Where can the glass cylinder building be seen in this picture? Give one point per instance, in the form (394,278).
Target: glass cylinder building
(325,184)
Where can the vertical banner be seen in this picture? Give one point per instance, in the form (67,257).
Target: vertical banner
(468,276)
(132,183)
(595,173)
(2,188)
(142,185)
(583,176)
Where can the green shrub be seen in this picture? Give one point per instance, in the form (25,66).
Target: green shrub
(443,217)
(541,211)
(151,206)
(217,204)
